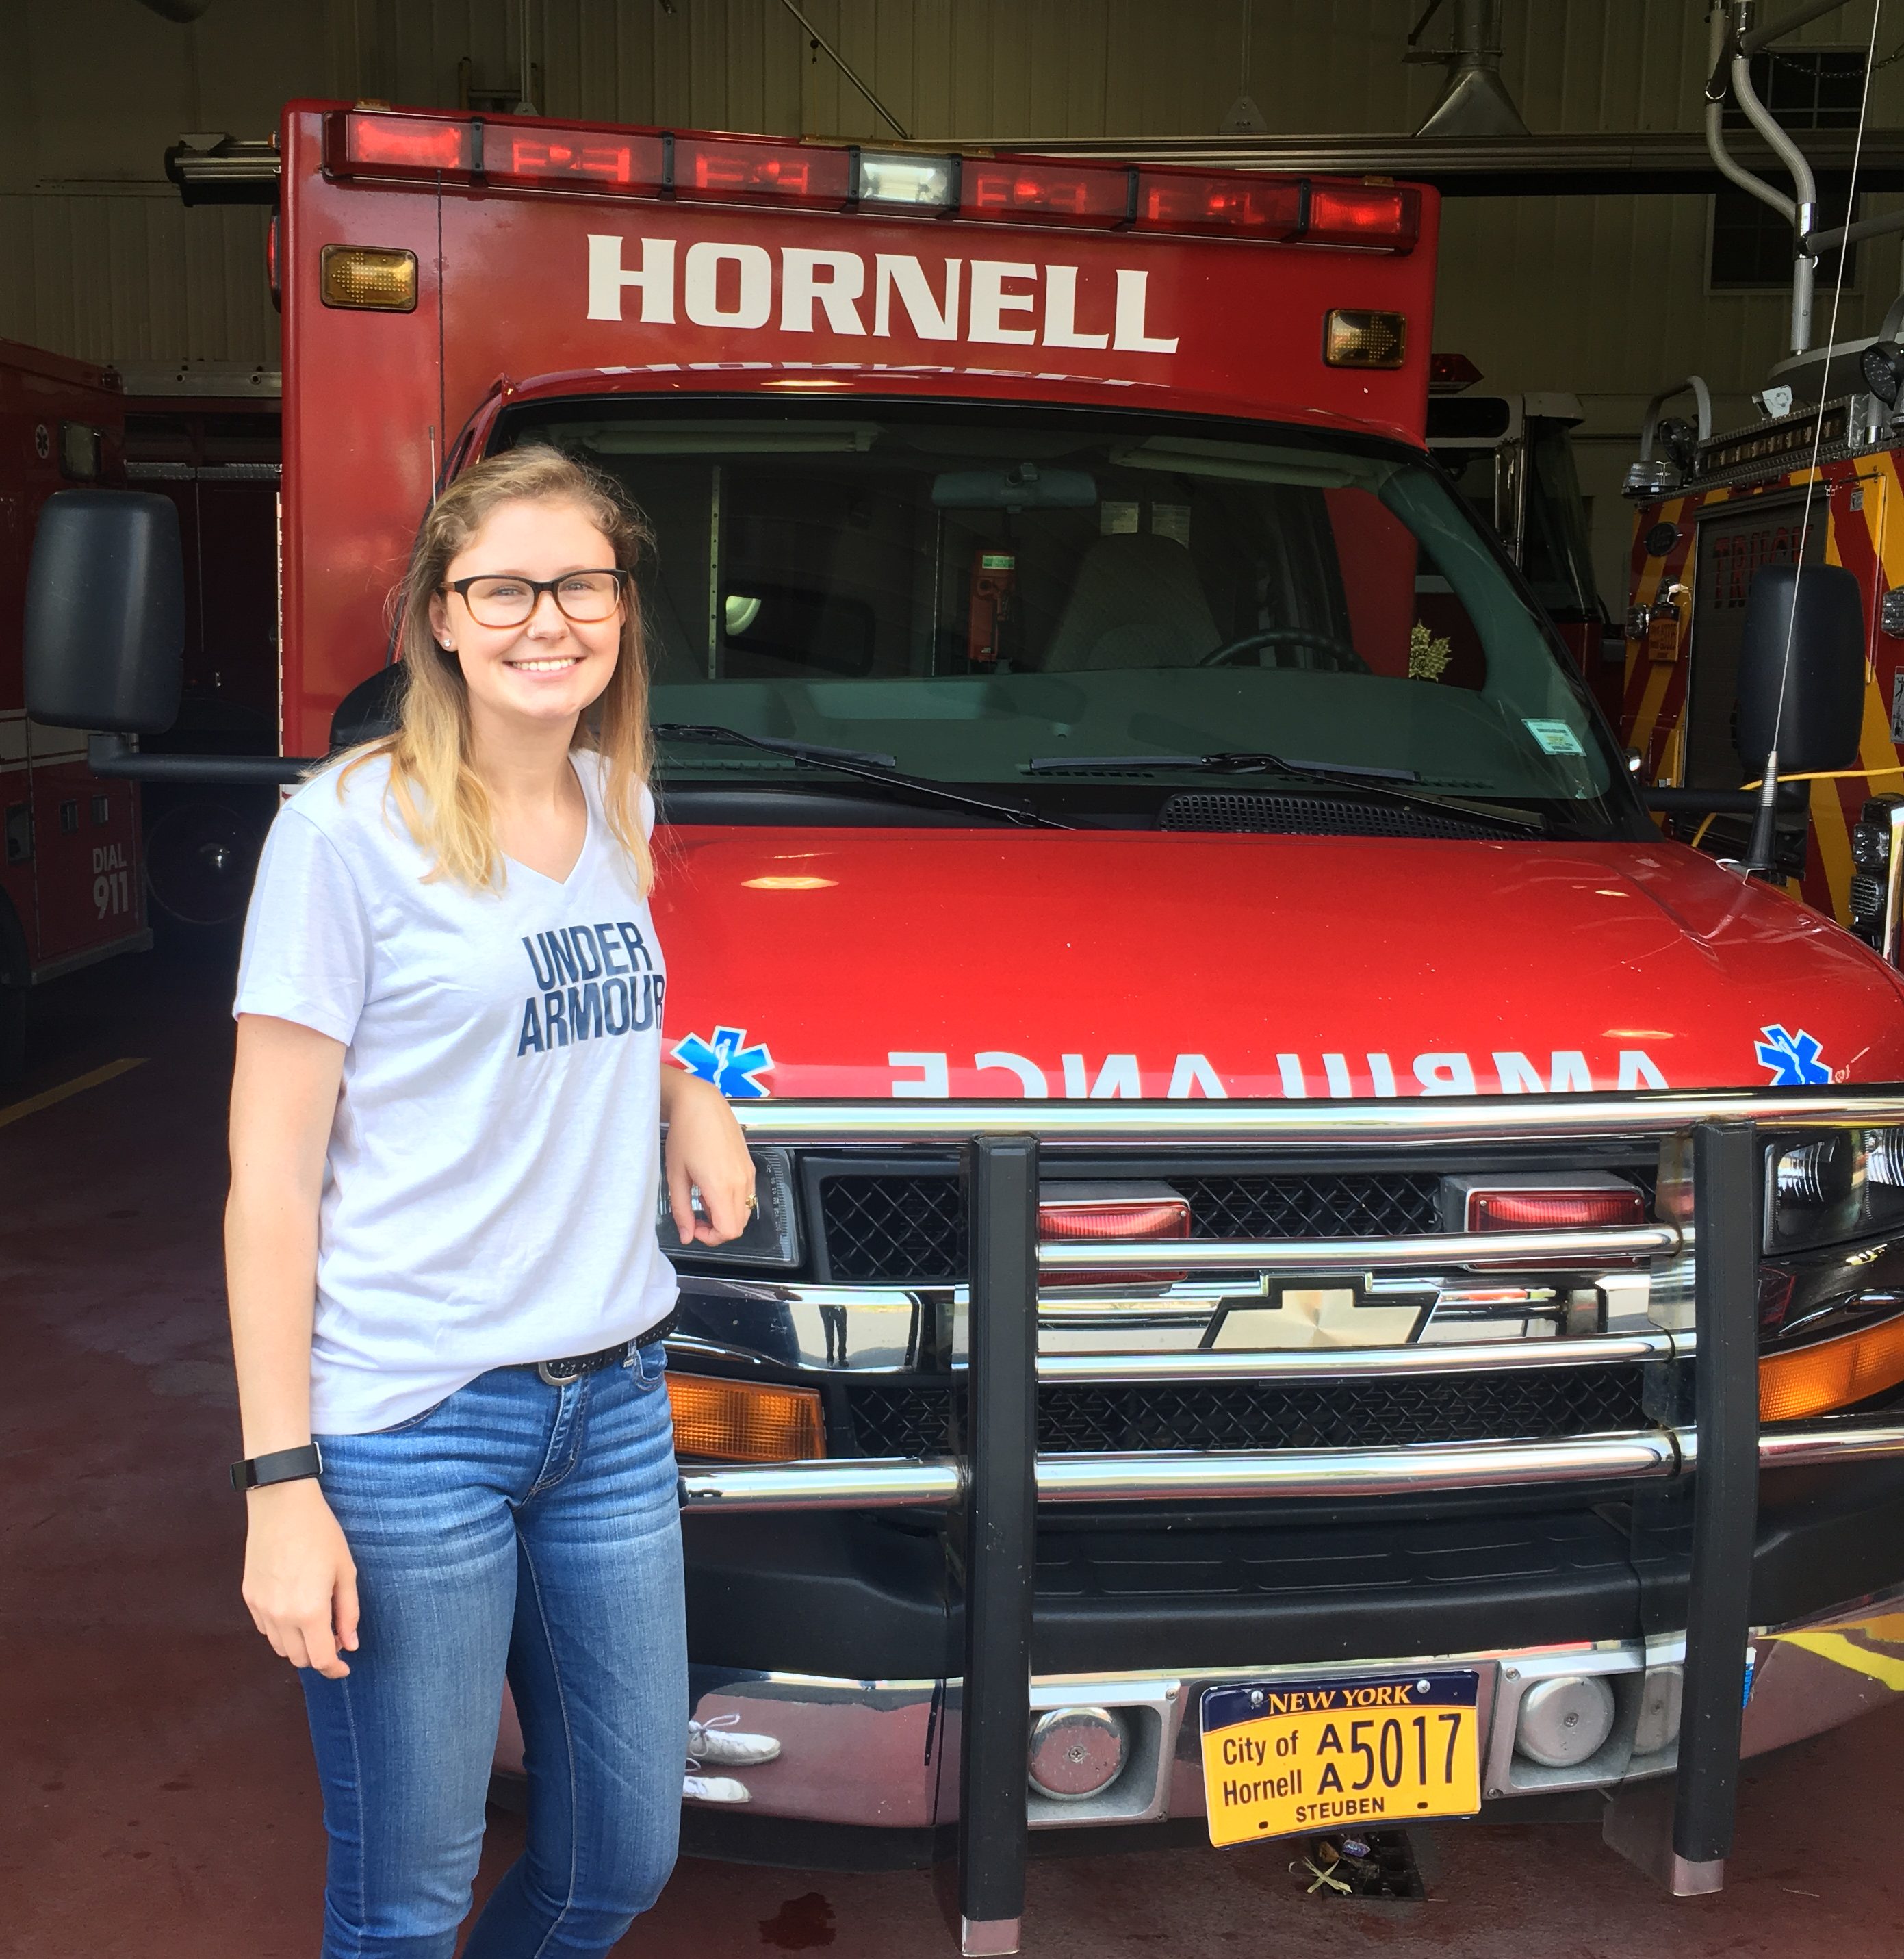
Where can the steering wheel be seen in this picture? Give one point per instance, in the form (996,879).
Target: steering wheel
(1349,660)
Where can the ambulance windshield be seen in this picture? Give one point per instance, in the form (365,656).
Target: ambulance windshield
(980,593)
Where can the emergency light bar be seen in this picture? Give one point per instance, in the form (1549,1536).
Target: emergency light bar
(738,166)
(604,160)
(421,146)
(1209,205)
(1047,194)
(582,158)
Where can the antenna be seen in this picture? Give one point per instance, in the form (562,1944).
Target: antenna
(1734,42)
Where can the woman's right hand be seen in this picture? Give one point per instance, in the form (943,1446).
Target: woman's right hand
(300,1581)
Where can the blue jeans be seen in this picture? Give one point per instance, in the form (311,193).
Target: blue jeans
(520,1528)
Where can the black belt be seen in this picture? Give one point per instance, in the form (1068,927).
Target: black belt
(558,1373)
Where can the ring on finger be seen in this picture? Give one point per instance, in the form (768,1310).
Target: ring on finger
(753,1202)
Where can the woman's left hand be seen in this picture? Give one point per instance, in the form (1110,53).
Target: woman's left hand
(705,1152)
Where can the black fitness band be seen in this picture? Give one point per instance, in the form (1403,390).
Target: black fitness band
(282,1466)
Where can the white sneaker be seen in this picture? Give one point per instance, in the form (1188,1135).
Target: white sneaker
(713,1788)
(715,1740)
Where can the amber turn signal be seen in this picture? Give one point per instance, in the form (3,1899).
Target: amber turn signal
(1832,1373)
(1352,337)
(375,278)
(745,1421)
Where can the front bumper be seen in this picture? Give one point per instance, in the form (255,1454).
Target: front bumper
(1044,1435)
(885,1753)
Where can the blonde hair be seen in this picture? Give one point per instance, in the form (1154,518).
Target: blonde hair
(432,780)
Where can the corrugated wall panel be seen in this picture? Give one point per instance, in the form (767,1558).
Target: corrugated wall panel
(1606,296)
(136,278)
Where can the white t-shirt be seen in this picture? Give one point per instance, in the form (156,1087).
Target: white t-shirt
(491,1183)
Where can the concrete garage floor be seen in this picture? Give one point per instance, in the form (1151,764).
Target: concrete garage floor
(156,1795)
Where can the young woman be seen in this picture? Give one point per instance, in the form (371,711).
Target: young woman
(441,1247)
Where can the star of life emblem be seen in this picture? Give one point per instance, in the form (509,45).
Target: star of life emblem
(728,1062)
(1792,1055)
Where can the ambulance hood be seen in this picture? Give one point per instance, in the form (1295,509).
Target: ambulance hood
(927,963)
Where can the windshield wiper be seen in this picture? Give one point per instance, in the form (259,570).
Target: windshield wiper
(1370,781)
(805,751)
(869,768)
(1060,765)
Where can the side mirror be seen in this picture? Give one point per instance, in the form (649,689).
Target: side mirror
(1816,611)
(105,621)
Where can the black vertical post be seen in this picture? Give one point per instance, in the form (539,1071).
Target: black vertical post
(1001,1400)
(1725,1498)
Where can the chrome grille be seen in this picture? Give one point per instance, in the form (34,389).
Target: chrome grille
(1392,1206)
(899,1230)
(1535,1405)
(1867,895)
(894,1229)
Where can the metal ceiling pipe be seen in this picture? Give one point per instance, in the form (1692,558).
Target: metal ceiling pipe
(1475,101)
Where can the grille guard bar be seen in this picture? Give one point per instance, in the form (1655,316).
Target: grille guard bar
(1411,1121)
(938,1482)
(995,1485)
(1607,1245)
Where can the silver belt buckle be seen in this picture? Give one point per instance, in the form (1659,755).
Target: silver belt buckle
(569,1372)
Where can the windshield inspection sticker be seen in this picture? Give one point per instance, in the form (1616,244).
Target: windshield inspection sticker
(1556,738)
(727,1062)
(1793,1056)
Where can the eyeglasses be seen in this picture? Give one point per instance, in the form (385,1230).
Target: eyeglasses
(585,597)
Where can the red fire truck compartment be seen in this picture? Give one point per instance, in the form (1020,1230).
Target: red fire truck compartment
(70,888)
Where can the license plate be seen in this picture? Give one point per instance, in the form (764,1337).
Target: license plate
(1376,1750)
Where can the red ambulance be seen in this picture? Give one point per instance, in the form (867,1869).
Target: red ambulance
(1314,1274)
(70,886)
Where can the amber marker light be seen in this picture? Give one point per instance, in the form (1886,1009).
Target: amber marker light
(1354,337)
(1832,1373)
(787,883)
(745,1421)
(374,278)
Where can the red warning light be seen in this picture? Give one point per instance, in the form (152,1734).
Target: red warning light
(1226,206)
(579,159)
(1045,193)
(1448,373)
(420,145)
(725,166)
(1382,218)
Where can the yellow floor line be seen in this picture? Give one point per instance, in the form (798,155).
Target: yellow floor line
(15,1111)
(1834,1646)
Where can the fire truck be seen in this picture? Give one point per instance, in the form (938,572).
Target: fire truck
(1313,1272)
(70,882)
(1813,484)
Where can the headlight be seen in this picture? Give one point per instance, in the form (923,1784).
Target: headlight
(1884,1159)
(1833,1185)
(1815,1192)
(772,1238)
(1883,1178)
(1876,840)
(1821,1175)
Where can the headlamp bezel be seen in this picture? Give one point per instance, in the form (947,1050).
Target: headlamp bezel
(772,1242)
(1831,1186)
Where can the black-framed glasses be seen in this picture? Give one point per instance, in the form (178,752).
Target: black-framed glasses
(585,597)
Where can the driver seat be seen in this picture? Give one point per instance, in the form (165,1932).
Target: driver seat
(1137,601)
